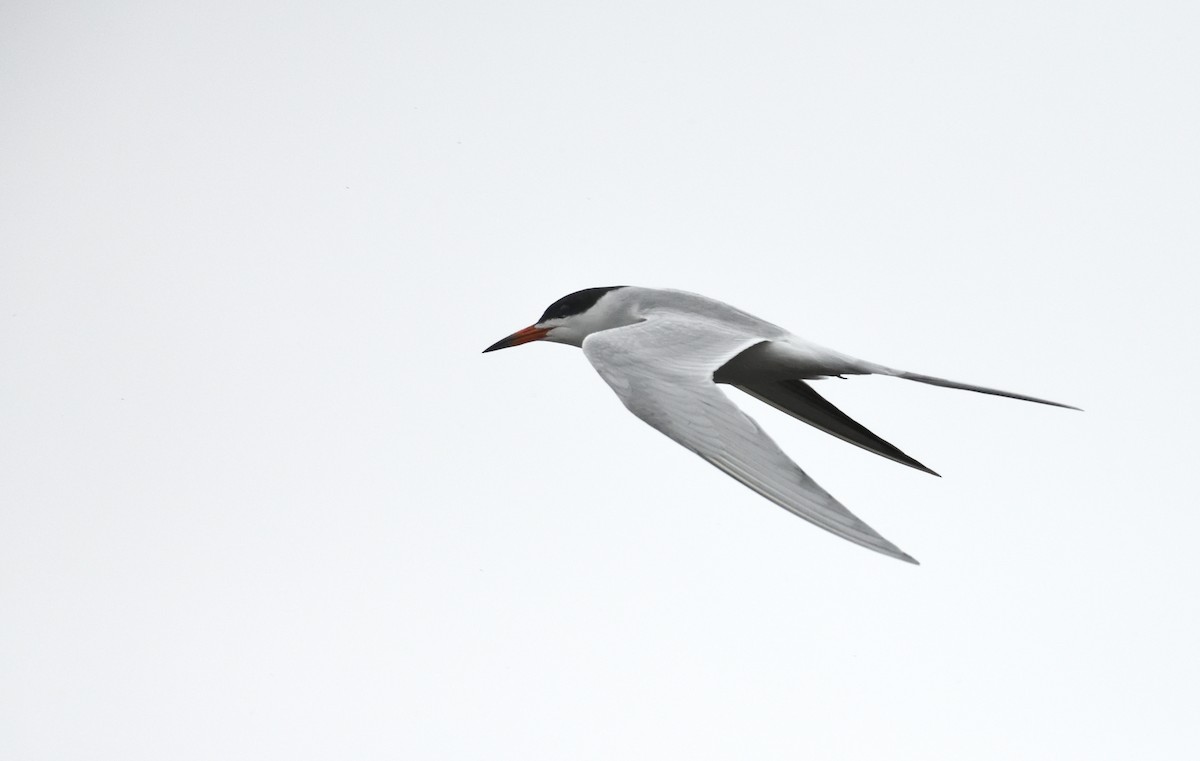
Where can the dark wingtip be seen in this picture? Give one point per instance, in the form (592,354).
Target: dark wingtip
(910,462)
(904,459)
(1048,403)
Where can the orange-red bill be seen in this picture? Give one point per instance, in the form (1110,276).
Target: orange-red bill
(523,336)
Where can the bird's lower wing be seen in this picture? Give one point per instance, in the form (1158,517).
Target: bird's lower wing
(662,369)
(801,401)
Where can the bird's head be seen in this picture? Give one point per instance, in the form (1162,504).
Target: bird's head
(573,318)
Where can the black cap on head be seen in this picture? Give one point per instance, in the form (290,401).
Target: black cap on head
(576,303)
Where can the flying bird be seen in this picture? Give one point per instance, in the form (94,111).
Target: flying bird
(664,351)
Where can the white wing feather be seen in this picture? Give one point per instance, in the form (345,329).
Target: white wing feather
(662,370)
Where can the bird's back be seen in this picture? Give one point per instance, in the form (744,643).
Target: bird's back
(658,300)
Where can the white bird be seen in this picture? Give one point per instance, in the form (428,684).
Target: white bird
(663,352)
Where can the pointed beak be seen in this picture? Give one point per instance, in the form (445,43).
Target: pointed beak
(523,336)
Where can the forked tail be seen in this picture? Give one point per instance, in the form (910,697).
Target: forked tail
(931,380)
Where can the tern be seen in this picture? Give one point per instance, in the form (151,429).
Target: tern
(664,352)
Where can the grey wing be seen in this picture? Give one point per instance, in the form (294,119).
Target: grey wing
(801,401)
(662,370)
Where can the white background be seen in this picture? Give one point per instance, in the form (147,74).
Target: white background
(262,496)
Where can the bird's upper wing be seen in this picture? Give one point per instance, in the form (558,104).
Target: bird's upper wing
(801,401)
(662,370)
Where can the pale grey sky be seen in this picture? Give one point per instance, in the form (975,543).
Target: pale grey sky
(262,497)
